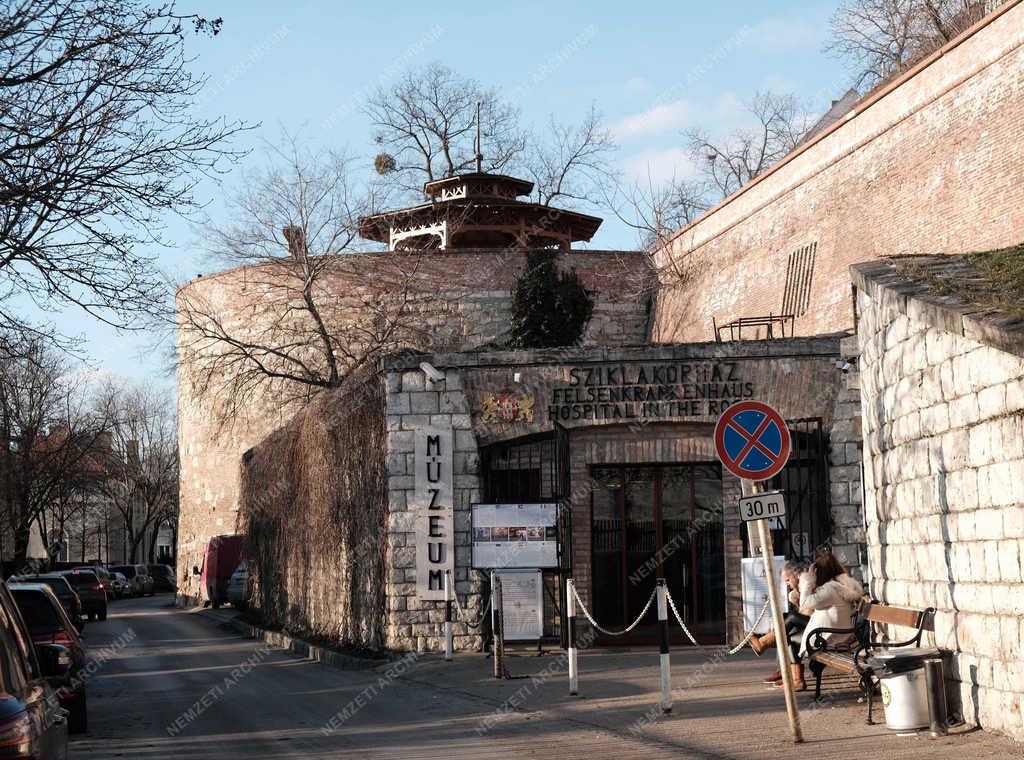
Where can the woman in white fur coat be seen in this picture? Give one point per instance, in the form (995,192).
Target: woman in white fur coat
(830,595)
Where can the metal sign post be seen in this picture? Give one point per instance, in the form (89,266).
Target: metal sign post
(752,441)
(448,615)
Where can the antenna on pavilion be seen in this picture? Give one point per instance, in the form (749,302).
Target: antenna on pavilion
(479,153)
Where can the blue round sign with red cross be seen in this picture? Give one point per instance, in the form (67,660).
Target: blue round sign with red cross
(752,440)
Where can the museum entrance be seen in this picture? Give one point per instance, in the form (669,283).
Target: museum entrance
(659,521)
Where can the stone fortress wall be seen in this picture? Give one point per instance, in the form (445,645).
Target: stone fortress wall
(943,409)
(929,165)
(457,300)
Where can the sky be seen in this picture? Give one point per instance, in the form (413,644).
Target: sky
(652,69)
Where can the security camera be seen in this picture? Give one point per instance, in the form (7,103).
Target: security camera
(432,372)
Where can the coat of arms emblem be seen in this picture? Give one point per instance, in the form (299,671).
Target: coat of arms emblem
(506,406)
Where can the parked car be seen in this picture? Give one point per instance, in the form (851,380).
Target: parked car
(101,572)
(32,722)
(119,585)
(141,582)
(48,623)
(163,577)
(239,588)
(90,591)
(223,554)
(62,589)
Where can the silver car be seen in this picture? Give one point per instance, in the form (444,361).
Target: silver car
(239,588)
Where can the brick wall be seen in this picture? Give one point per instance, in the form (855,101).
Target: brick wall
(944,489)
(933,166)
(459,299)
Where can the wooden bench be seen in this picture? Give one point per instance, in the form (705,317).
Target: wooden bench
(851,656)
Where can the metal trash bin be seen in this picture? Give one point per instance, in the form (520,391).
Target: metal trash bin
(901,674)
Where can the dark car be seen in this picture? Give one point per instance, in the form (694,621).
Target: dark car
(90,591)
(32,722)
(163,577)
(48,623)
(138,578)
(62,590)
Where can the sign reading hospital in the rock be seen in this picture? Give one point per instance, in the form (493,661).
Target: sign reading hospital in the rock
(649,391)
(434,510)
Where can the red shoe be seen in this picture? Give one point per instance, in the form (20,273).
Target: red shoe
(774,678)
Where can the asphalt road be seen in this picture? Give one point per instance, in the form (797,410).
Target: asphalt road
(174,684)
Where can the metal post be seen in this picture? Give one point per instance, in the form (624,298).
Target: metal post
(666,664)
(570,611)
(499,629)
(448,615)
(935,682)
(781,639)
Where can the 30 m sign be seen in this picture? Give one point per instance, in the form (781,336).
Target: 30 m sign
(762,506)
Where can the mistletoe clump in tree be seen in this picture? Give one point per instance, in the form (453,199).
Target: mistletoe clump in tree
(549,308)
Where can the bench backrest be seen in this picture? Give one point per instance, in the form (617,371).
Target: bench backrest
(889,615)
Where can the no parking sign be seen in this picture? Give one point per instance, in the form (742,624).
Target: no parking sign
(752,440)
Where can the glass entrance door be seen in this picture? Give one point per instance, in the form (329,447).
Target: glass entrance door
(654,522)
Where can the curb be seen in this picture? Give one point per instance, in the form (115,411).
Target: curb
(326,657)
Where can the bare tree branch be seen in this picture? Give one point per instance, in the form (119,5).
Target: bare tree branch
(98,142)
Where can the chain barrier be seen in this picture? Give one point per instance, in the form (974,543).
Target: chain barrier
(735,649)
(753,628)
(679,619)
(675,612)
(462,613)
(605,631)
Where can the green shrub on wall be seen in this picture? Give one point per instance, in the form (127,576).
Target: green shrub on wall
(549,308)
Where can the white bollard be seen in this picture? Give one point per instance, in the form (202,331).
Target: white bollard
(665,658)
(448,615)
(570,613)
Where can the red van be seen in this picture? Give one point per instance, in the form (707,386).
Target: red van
(223,554)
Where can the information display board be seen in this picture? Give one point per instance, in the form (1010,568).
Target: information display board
(515,535)
(755,591)
(522,597)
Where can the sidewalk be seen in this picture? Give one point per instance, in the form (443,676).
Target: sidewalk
(422,706)
(720,710)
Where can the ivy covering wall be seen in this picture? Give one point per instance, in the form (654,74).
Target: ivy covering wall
(313,507)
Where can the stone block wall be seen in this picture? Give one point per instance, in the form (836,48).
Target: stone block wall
(414,401)
(944,489)
(924,168)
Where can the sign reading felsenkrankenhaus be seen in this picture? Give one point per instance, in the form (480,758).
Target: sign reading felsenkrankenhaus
(434,505)
(652,391)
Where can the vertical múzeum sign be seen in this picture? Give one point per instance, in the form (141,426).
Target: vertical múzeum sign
(433,505)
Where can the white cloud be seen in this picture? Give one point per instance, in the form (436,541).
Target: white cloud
(637,86)
(672,117)
(658,120)
(778,34)
(659,165)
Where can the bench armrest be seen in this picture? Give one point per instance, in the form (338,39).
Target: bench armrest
(816,641)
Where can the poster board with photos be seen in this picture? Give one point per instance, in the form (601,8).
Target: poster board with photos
(515,535)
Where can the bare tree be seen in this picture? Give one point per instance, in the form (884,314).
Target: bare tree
(573,163)
(426,123)
(656,211)
(51,438)
(98,141)
(427,127)
(296,220)
(729,163)
(881,38)
(140,467)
